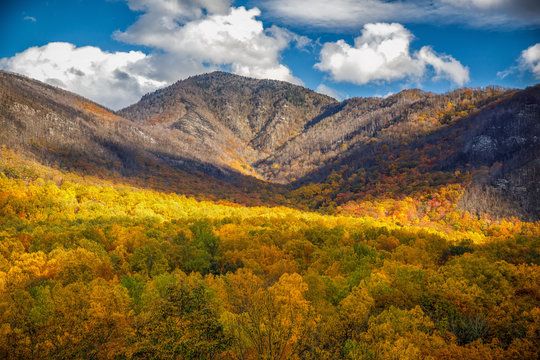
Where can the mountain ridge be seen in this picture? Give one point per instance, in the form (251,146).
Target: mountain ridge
(58,128)
(232,129)
(256,116)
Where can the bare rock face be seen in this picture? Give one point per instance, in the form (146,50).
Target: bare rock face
(484,146)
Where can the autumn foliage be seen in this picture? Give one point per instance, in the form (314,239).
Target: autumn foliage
(91,269)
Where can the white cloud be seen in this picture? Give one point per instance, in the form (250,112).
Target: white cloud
(528,61)
(498,12)
(186,37)
(382,53)
(354,13)
(30,18)
(181,9)
(492,4)
(483,4)
(337,13)
(446,67)
(326,90)
(111,79)
(219,35)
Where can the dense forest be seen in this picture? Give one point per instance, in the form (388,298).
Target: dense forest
(95,269)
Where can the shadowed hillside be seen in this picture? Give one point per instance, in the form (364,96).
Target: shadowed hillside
(59,128)
(492,152)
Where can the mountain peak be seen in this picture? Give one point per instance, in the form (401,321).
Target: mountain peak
(244,119)
(220,75)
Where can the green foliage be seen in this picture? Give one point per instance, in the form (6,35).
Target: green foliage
(179,322)
(149,260)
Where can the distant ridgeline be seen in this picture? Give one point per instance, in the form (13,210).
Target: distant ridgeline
(232,218)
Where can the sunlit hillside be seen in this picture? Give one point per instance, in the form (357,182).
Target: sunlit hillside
(95,269)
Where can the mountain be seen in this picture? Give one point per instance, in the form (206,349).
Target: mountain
(487,141)
(220,134)
(241,120)
(56,127)
(286,134)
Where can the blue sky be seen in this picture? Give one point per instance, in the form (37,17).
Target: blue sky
(115,51)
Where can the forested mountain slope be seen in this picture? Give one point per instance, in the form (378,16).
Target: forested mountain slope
(243,119)
(281,131)
(216,134)
(59,128)
(287,134)
(492,153)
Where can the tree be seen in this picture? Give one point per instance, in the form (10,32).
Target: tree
(268,323)
(179,321)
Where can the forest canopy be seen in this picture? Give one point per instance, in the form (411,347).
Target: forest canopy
(96,269)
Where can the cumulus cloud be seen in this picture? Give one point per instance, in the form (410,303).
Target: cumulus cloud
(209,31)
(445,66)
(111,79)
(185,37)
(354,13)
(382,53)
(528,61)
